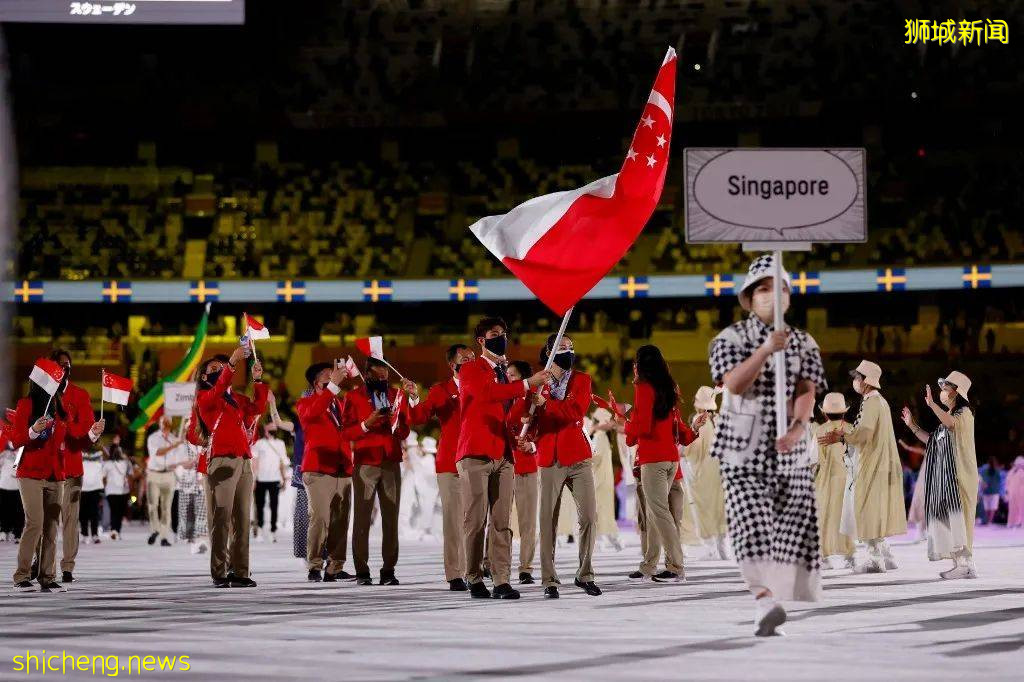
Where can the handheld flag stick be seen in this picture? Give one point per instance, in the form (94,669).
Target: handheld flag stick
(102,372)
(46,410)
(393,369)
(779,356)
(551,357)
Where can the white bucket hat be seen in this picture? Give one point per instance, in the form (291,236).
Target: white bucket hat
(871,372)
(834,403)
(430,445)
(761,267)
(959,380)
(705,399)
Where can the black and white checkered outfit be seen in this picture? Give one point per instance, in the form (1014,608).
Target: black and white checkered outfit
(192,524)
(769,497)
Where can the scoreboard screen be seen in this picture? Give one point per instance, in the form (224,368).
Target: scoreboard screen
(124,11)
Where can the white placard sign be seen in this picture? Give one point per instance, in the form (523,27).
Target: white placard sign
(178,398)
(775,195)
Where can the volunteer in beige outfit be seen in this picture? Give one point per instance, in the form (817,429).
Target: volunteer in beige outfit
(165,450)
(831,480)
(951,486)
(878,508)
(705,479)
(599,426)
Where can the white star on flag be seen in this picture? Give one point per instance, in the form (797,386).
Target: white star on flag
(631,155)
(648,121)
(650,161)
(661,140)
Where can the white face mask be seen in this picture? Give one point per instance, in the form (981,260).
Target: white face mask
(763,304)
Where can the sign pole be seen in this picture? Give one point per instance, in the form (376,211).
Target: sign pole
(781,425)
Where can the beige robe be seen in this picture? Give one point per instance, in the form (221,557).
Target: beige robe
(878,486)
(966,470)
(830,485)
(706,483)
(604,484)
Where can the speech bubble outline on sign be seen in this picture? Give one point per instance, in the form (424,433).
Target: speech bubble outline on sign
(778,195)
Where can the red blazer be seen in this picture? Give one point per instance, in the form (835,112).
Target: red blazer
(655,439)
(230,438)
(42,459)
(326,450)
(483,431)
(442,401)
(525,462)
(560,436)
(378,445)
(80,419)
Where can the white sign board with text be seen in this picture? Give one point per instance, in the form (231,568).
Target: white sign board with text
(775,195)
(178,398)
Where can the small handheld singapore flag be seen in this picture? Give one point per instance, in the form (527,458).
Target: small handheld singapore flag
(560,245)
(116,389)
(47,374)
(371,347)
(254,329)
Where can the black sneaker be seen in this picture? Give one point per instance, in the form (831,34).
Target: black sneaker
(152,538)
(25,586)
(165,543)
(505,591)
(525,579)
(221,582)
(330,577)
(551,592)
(243,582)
(389,580)
(636,575)
(51,586)
(345,575)
(589,587)
(666,577)
(364,580)
(66,577)
(313,576)
(457,585)
(479,591)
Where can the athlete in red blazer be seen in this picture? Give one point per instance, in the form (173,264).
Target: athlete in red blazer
(560,436)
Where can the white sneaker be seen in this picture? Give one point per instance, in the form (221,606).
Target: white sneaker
(273,537)
(259,535)
(872,565)
(768,617)
(959,573)
(890,564)
(723,552)
(848,562)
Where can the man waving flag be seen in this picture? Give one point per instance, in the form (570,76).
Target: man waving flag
(560,245)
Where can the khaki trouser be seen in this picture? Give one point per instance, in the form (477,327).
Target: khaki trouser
(487,486)
(41,500)
(450,489)
(527,492)
(159,495)
(662,521)
(229,504)
(383,483)
(329,499)
(579,478)
(650,547)
(70,500)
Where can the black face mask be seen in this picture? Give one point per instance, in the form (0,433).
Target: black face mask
(565,360)
(497,345)
(458,367)
(211,378)
(377,385)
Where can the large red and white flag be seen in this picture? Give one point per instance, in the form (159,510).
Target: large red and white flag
(116,389)
(254,329)
(560,245)
(372,347)
(47,374)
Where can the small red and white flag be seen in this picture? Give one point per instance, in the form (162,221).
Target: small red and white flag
(47,374)
(560,245)
(353,370)
(254,329)
(116,389)
(396,411)
(372,347)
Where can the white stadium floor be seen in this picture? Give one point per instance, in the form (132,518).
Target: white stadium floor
(135,599)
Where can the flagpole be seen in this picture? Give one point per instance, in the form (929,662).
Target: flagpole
(551,357)
(46,409)
(393,368)
(780,356)
(103,373)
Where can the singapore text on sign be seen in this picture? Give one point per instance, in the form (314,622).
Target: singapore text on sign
(775,195)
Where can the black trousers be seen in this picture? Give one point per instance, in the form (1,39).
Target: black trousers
(89,511)
(262,489)
(174,512)
(12,514)
(117,506)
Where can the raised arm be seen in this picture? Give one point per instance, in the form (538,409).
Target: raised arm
(863,432)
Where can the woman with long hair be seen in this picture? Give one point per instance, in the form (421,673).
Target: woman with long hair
(651,427)
(41,427)
(117,475)
(951,476)
(769,488)
(226,422)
